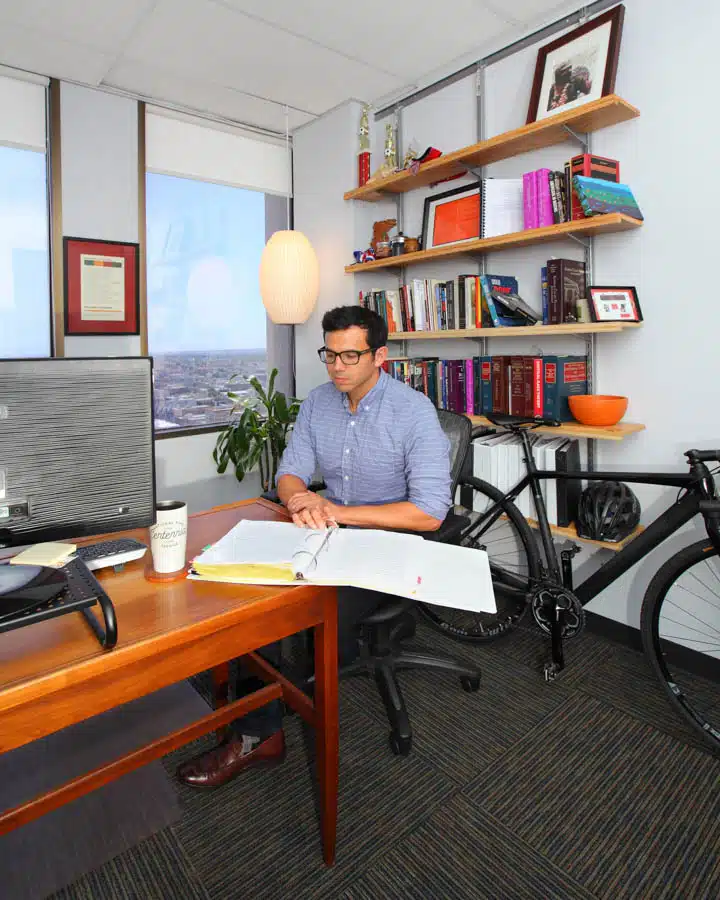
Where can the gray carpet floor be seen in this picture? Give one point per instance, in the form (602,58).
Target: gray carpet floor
(586,788)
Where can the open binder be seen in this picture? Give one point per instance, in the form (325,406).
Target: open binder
(402,564)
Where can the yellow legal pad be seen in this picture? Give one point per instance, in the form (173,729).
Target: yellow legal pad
(245,571)
(47,554)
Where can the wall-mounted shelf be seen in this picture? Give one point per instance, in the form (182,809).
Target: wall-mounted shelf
(571,534)
(608,224)
(590,117)
(574,429)
(515,331)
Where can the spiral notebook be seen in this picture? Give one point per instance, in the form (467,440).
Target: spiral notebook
(401,564)
(501,209)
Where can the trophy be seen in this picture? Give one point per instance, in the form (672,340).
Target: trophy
(390,162)
(364,154)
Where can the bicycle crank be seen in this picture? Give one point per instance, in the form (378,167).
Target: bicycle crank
(559,613)
(548,600)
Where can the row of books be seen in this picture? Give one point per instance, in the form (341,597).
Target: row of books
(527,386)
(498,459)
(465,301)
(589,185)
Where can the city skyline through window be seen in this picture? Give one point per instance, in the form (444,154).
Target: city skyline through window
(206,320)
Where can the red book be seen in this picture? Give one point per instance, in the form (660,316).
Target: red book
(592,167)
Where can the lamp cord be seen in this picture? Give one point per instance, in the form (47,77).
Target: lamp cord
(289,158)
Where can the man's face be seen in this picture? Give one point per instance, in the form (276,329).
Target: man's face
(347,377)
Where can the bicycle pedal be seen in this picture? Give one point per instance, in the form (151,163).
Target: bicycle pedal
(551,671)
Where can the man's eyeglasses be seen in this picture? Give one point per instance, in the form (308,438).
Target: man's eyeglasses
(348,357)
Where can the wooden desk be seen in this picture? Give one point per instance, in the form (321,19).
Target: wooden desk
(54,674)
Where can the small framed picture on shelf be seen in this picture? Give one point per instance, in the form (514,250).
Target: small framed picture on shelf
(614,304)
(452,217)
(101,286)
(578,67)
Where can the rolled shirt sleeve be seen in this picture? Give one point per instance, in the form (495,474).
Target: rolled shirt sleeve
(427,463)
(299,458)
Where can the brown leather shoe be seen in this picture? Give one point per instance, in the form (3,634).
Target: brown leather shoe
(225,762)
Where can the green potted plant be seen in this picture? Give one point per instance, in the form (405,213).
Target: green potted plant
(257,432)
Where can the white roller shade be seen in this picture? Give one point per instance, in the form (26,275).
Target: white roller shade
(192,149)
(22,121)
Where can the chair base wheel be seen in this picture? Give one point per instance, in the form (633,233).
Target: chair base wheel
(470,684)
(400,745)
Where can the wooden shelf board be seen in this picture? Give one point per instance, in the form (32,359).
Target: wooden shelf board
(590,117)
(571,534)
(515,331)
(574,429)
(607,224)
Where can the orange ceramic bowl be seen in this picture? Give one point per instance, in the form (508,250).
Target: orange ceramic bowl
(598,409)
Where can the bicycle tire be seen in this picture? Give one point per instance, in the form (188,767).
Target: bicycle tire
(693,694)
(482,627)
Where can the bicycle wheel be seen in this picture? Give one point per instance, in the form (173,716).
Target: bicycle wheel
(514,564)
(680,626)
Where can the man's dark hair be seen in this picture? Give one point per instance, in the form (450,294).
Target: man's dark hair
(343,317)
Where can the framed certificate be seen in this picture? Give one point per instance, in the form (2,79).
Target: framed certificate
(452,217)
(614,304)
(101,287)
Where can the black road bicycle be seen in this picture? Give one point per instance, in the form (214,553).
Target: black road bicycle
(680,621)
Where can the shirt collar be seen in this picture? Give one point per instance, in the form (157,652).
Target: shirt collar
(372,396)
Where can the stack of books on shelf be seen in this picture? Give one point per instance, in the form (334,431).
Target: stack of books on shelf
(465,301)
(527,386)
(588,186)
(498,459)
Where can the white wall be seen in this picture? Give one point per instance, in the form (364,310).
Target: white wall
(666,367)
(324,163)
(99,141)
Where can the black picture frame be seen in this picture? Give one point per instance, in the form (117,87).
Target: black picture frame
(435,199)
(575,80)
(598,313)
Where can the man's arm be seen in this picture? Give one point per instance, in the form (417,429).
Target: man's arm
(298,462)
(404,515)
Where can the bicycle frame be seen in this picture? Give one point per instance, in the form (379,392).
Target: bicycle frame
(667,523)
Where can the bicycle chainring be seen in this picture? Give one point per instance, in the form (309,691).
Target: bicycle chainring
(544,601)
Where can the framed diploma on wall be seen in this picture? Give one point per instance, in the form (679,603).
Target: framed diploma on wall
(101,287)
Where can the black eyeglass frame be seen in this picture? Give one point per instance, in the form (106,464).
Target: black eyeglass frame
(354,362)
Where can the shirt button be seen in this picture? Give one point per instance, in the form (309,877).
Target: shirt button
(352,424)
(347,449)
(347,478)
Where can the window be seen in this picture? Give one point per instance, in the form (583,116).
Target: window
(206,321)
(206,226)
(24,232)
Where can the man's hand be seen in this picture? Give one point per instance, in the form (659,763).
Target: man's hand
(310,510)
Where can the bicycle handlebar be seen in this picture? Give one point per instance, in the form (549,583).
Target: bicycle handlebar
(703,455)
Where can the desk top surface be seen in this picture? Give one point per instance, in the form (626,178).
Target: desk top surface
(152,617)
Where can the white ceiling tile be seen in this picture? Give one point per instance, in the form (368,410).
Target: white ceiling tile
(30,50)
(403,40)
(103,24)
(202,40)
(202,97)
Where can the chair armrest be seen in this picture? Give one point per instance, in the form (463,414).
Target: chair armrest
(450,530)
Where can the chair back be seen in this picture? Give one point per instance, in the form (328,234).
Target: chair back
(458,430)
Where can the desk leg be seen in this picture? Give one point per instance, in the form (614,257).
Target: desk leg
(326,729)
(221,692)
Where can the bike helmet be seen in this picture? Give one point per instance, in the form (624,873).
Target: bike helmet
(607,511)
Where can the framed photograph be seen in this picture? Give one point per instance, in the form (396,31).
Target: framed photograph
(578,67)
(452,217)
(614,304)
(102,293)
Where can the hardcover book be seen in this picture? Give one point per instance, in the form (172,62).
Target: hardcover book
(599,197)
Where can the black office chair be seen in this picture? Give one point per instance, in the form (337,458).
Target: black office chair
(382,654)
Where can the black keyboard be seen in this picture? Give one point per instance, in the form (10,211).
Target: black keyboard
(111,553)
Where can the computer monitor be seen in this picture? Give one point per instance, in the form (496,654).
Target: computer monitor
(76,447)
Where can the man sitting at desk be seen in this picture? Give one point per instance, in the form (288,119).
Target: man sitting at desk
(379,447)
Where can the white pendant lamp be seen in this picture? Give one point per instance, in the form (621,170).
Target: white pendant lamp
(289,277)
(289,269)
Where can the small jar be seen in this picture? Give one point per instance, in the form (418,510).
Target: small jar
(383,250)
(412,245)
(397,244)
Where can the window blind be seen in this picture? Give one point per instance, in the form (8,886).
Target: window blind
(191,148)
(22,123)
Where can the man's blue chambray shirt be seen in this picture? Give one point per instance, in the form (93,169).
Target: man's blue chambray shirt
(392,449)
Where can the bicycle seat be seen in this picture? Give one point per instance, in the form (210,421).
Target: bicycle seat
(502,420)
